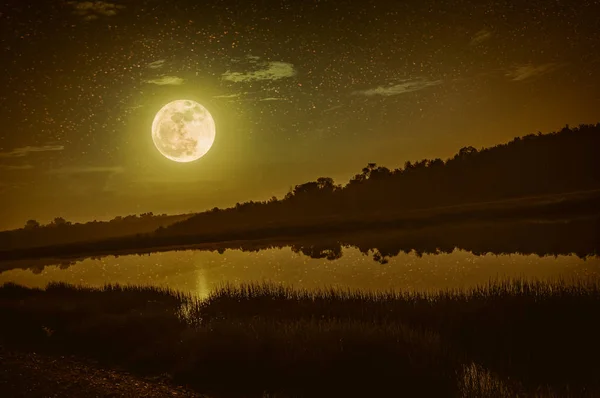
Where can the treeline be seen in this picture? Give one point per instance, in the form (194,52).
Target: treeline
(60,231)
(417,194)
(580,237)
(536,164)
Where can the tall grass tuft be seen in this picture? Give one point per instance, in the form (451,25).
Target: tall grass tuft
(507,338)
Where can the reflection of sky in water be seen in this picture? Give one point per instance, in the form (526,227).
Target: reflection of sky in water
(201,271)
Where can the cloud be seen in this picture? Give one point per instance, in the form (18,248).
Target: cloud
(333,108)
(92,180)
(529,71)
(87,170)
(90,10)
(273,99)
(482,36)
(5,187)
(166,81)
(156,64)
(266,71)
(26,150)
(405,86)
(243,96)
(15,167)
(229,96)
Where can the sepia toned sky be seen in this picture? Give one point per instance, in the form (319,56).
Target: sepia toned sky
(298,90)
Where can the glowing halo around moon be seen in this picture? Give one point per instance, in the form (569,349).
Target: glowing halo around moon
(183,131)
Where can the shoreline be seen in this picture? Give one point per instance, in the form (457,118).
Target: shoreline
(494,212)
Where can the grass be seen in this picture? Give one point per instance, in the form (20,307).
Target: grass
(506,339)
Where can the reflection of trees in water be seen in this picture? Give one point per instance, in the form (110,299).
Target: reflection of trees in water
(577,237)
(332,252)
(37,267)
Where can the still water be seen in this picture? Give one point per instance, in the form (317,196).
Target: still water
(452,256)
(200,272)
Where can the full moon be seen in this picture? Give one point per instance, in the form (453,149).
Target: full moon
(183,131)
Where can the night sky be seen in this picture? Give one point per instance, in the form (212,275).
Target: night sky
(298,90)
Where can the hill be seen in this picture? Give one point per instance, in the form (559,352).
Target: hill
(534,165)
(61,231)
(543,176)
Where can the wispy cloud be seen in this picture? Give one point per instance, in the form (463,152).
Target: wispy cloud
(92,180)
(273,99)
(229,96)
(6,187)
(405,86)
(253,58)
(266,71)
(87,170)
(248,96)
(480,37)
(166,81)
(26,150)
(16,167)
(529,71)
(333,108)
(90,10)
(156,64)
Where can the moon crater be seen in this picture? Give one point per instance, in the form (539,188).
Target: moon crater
(183,131)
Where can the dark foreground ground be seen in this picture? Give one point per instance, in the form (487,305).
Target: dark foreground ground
(506,339)
(27,374)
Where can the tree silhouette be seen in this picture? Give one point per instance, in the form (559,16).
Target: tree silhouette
(60,222)
(535,164)
(60,231)
(32,224)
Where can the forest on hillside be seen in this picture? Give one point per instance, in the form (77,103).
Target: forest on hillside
(533,165)
(536,165)
(60,231)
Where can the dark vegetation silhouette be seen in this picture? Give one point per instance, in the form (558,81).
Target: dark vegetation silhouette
(60,231)
(537,176)
(579,237)
(534,165)
(535,195)
(505,339)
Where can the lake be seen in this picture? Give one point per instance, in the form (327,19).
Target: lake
(415,260)
(200,272)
